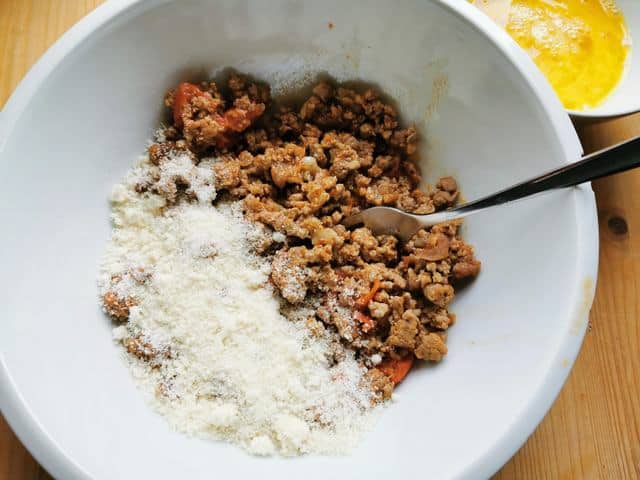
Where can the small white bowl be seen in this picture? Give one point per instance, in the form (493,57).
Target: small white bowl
(625,98)
(84,112)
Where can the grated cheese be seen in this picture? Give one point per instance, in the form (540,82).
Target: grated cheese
(238,370)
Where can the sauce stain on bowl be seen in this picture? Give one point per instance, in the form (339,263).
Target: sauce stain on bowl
(582,315)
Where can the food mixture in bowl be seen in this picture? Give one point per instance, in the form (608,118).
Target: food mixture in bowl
(247,310)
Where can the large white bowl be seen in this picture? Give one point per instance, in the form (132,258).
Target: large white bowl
(76,123)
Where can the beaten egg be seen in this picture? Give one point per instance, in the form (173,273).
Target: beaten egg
(580,45)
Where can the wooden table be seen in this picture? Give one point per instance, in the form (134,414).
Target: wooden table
(593,429)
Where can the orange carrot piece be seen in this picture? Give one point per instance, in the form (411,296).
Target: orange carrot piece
(366,322)
(182,96)
(364,300)
(396,369)
(239,119)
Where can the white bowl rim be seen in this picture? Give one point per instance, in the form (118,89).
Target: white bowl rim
(52,456)
(597,114)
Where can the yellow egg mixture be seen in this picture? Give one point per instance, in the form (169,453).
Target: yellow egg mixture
(580,45)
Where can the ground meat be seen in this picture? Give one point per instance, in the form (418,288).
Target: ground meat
(405,140)
(117,307)
(300,170)
(289,274)
(380,383)
(240,87)
(404,330)
(144,350)
(207,120)
(375,249)
(437,317)
(227,173)
(467,268)
(439,294)
(159,151)
(430,346)
(378,309)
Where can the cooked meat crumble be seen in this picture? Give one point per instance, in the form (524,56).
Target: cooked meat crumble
(300,172)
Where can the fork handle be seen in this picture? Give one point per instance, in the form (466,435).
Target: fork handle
(618,158)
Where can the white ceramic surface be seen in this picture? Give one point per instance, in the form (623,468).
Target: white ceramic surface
(76,123)
(625,98)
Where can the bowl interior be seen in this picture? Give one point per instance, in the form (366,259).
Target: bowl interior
(481,121)
(626,96)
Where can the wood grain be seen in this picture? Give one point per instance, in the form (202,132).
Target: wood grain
(593,429)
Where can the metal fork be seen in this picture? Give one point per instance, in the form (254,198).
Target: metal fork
(615,159)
